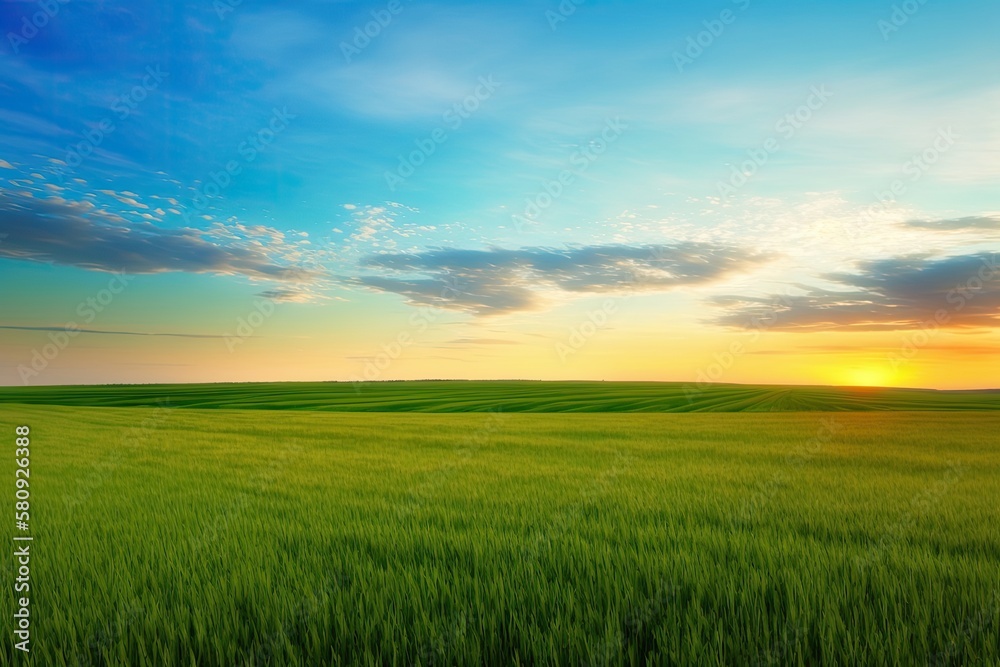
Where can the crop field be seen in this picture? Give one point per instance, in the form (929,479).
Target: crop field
(222,536)
(506,396)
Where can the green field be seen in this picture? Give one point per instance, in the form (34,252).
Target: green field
(259,537)
(508,396)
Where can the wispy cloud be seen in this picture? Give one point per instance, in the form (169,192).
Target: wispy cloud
(481,341)
(897,293)
(496,281)
(112,333)
(289,295)
(77,233)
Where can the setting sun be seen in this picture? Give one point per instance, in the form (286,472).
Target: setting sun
(867,376)
(490,333)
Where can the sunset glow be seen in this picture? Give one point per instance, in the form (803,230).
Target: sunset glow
(502,194)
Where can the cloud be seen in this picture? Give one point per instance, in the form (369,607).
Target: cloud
(289,295)
(129,199)
(908,292)
(970,223)
(113,333)
(76,233)
(496,281)
(480,341)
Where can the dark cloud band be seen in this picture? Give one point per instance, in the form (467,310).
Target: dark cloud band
(909,292)
(495,281)
(76,233)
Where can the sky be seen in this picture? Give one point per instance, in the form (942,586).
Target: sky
(729,191)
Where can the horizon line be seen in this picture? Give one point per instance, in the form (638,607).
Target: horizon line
(364,382)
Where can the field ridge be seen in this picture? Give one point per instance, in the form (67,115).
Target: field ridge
(506,396)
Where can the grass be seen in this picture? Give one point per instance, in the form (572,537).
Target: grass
(253,537)
(508,396)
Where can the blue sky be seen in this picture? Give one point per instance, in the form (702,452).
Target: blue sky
(645,130)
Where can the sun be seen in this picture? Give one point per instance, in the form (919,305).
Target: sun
(867,376)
